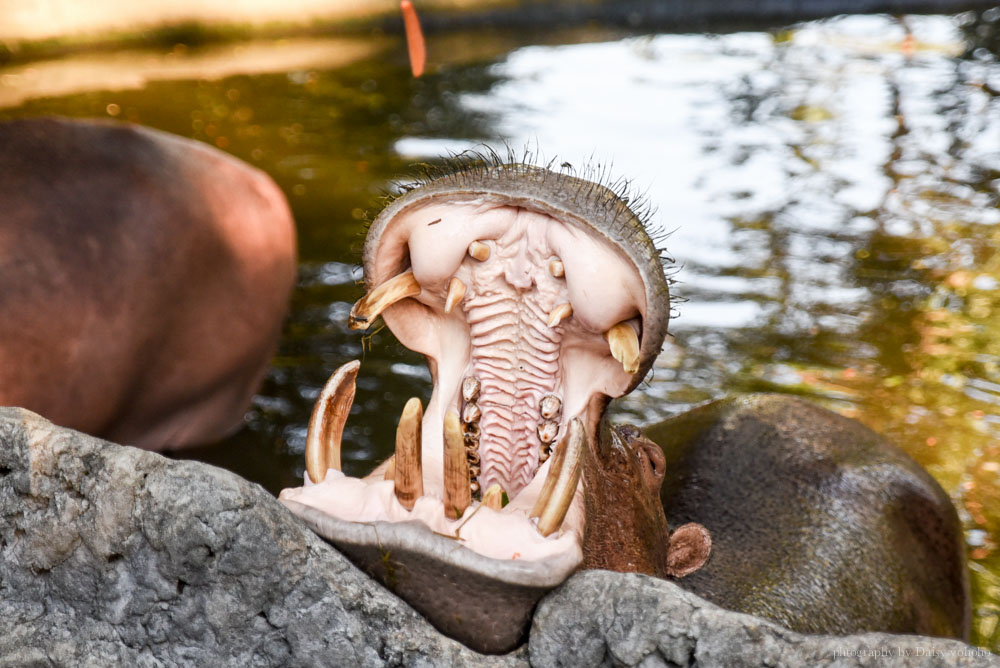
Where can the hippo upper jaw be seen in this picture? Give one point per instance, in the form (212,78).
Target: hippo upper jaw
(536,298)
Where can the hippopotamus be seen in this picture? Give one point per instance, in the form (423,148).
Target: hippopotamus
(538,297)
(145,279)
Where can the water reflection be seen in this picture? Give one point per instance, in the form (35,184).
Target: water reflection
(831,191)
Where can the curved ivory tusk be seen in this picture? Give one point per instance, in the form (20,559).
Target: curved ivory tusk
(326,425)
(624,343)
(558,457)
(569,479)
(409,477)
(369,307)
(457,495)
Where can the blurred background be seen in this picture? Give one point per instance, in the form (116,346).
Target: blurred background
(830,185)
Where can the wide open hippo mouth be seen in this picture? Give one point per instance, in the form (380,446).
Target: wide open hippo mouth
(536,297)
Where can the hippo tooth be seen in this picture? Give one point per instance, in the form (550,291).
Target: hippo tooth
(390,469)
(385,295)
(326,425)
(456,292)
(471,413)
(470,388)
(624,345)
(409,479)
(557,269)
(479,251)
(547,431)
(559,314)
(550,407)
(457,496)
(493,498)
(564,488)
(550,480)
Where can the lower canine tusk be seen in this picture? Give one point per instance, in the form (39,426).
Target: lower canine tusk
(369,307)
(457,495)
(624,343)
(409,478)
(558,502)
(326,425)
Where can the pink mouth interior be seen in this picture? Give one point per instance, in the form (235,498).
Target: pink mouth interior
(500,335)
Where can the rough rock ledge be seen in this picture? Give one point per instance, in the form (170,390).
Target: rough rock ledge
(111,555)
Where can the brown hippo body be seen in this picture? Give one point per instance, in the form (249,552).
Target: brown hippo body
(816,522)
(143,280)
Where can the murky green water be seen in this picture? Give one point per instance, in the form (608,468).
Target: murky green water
(831,188)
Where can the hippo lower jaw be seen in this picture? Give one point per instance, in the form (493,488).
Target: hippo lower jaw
(534,307)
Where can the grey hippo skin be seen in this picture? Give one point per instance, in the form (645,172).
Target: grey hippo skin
(817,522)
(144,279)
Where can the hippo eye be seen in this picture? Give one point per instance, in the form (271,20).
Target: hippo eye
(535,297)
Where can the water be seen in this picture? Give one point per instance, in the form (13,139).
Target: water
(831,191)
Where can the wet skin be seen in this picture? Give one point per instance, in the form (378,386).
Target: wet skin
(817,522)
(145,279)
(538,297)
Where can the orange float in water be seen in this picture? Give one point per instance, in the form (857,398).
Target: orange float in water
(414,38)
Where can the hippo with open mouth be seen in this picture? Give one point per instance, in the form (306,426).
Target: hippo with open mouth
(537,297)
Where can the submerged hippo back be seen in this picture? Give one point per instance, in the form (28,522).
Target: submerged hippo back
(143,280)
(817,522)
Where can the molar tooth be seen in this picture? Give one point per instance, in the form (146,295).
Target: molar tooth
(624,345)
(457,496)
(547,431)
(470,388)
(473,486)
(471,413)
(479,250)
(409,478)
(557,269)
(473,456)
(560,313)
(369,307)
(326,425)
(550,406)
(456,292)
(562,481)
(493,498)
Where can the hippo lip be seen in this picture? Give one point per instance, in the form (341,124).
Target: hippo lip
(536,297)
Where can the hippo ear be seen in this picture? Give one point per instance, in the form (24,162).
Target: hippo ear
(690,547)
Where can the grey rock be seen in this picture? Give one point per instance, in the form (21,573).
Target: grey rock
(599,618)
(111,555)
